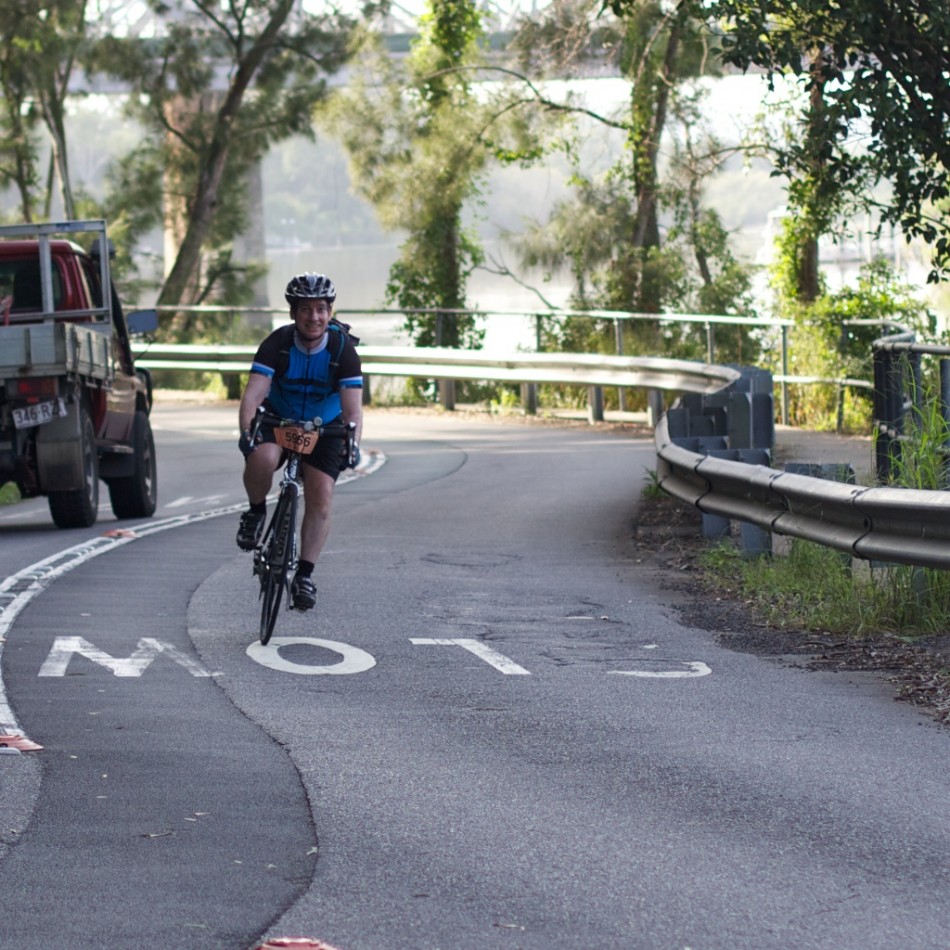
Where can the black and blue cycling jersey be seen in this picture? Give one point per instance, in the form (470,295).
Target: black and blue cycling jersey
(304,384)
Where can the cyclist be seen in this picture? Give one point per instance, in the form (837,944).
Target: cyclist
(303,370)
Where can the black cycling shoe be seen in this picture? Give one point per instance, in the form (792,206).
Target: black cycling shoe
(303,592)
(250,529)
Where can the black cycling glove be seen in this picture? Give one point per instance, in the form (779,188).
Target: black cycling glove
(246,445)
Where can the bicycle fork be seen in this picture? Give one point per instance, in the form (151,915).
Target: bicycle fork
(269,556)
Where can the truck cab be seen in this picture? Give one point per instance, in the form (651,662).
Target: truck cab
(73,407)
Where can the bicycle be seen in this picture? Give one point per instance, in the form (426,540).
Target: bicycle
(275,558)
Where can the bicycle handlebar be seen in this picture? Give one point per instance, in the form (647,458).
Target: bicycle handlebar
(347,429)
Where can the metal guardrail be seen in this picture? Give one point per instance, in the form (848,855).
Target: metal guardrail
(892,525)
(897,525)
(900,525)
(582,369)
(709,322)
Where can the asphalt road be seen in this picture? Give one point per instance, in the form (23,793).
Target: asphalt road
(492,732)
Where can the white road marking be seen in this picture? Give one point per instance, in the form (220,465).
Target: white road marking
(191,500)
(354,659)
(148,648)
(484,652)
(696,668)
(17,590)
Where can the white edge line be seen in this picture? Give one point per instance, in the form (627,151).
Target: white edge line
(40,575)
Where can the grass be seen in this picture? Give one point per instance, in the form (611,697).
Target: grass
(652,488)
(819,589)
(816,588)
(9,494)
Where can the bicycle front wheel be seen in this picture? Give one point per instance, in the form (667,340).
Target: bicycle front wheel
(276,562)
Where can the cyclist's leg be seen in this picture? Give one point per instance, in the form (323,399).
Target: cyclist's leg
(320,471)
(259,468)
(318,493)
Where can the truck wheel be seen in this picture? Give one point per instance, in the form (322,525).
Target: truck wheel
(136,495)
(80,508)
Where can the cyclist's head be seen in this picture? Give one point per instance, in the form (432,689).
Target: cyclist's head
(309,287)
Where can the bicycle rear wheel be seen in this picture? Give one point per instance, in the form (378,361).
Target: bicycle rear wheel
(277,561)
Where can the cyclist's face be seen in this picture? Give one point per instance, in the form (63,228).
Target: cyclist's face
(311,318)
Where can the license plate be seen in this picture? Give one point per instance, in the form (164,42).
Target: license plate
(38,413)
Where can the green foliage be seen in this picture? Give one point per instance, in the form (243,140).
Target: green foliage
(201,144)
(39,47)
(815,588)
(865,66)
(824,345)
(608,234)
(504,399)
(923,460)
(652,488)
(9,493)
(418,142)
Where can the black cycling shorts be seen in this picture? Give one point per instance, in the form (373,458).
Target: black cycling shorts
(329,456)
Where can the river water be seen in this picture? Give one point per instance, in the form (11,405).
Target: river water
(360,274)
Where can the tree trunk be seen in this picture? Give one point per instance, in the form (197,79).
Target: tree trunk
(204,197)
(646,228)
(807,257)
(55,124)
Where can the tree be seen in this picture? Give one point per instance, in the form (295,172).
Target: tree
(269,57)
(18,139)
(41,43)
(876,72)
(417,143)
(637,237)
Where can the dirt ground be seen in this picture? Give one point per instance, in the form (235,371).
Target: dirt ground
(668,538)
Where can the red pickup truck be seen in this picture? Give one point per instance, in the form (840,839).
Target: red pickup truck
(73,407)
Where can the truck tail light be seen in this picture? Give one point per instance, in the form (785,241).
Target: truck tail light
(35,388)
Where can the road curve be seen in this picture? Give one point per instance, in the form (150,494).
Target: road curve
(491,733)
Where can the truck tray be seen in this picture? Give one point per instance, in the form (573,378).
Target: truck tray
(49,349)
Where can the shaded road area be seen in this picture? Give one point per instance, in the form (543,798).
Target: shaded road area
(493,732)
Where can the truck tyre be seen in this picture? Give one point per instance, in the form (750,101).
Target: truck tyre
(136,495)
(80,508)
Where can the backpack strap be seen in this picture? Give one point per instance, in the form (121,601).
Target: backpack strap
(342,332)
(283,357)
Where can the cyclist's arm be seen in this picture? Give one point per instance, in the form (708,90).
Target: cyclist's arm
(351,402)
(255,392)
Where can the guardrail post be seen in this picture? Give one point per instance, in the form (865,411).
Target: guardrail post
(888,412)
(831,471)
(596,403)
(654,406)
(763,421)
(785,374)
(715,526)
(739,420)
(755,541)
(618,341)
(447,393)
(445,387)
(917,389)
(529,398)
